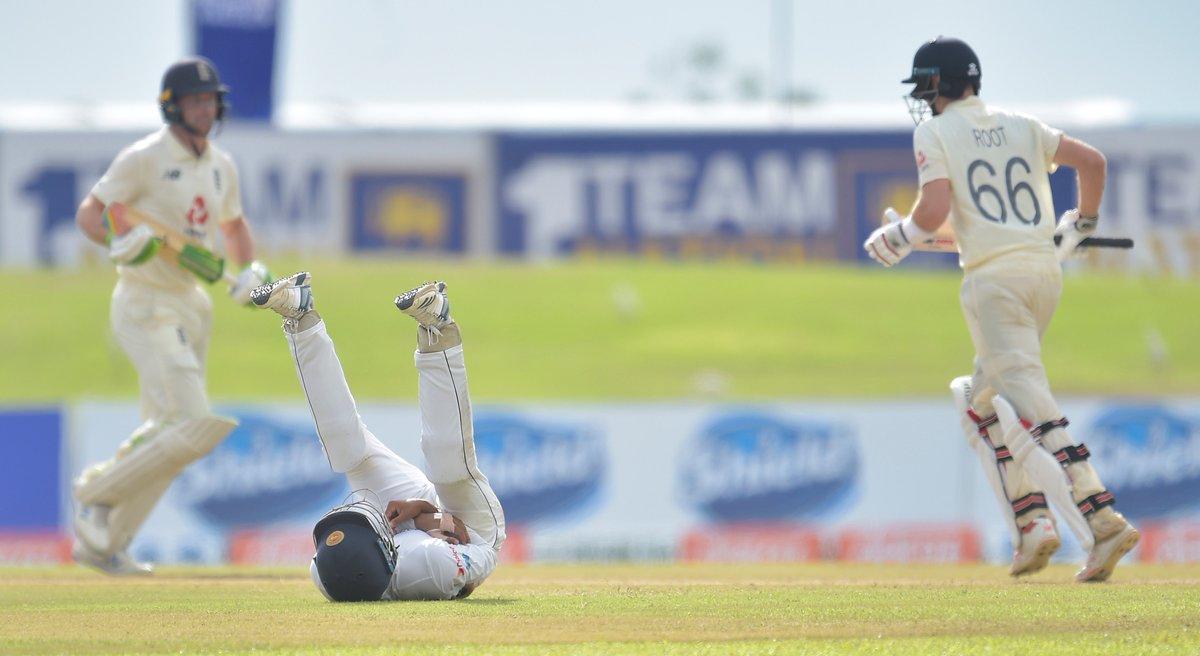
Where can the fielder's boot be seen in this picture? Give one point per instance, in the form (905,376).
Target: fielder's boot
(1039,541)
(291,298)
(430,307)
(118,564)
(1115,537)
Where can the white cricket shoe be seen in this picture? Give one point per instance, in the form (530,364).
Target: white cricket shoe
(118,564)
(91,527)
(1039,541)
(291,297)
(428,304)
(1109,550)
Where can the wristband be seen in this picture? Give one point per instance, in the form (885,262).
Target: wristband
(913,232)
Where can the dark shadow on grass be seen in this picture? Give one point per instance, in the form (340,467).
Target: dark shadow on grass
(497,601)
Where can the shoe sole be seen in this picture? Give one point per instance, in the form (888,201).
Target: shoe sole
(97,563)
(404,301)
(1105,570)
(1041,558)
(262,295)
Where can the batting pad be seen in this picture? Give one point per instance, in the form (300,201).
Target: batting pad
(1043,469)
(961,389)
(165,455)
(124,519)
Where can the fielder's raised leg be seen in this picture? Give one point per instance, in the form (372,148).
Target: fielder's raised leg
(441,528)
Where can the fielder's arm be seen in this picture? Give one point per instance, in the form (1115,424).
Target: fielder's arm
(427,517)
(401,510)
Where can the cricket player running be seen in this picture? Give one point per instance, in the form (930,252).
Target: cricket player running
(409,534)
(987,170)
(160,314)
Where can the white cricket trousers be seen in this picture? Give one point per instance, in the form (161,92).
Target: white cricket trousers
(1008,305)
(165,333)
(452,480)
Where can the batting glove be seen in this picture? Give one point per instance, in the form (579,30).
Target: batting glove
(1071,230)
(134,247)
(252,275)
(894,241)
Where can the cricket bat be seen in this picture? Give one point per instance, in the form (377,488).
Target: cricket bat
(944,240)
(177,247)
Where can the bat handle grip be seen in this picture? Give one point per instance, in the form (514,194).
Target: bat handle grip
(1101,242)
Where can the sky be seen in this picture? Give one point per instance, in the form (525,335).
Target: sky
(1033,52)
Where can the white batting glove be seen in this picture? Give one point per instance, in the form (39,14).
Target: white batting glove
(1071,230)
(893,242)
(134,247)
(252,275)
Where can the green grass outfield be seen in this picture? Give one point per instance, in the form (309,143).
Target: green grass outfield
(622,330)
(615,609)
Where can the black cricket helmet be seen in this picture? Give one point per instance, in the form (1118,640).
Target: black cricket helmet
(955,65)
(355,552)
(186,77)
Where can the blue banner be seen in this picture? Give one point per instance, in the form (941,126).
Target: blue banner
(30,480)
(753,466)
(541,471)
(239,37)
(266,472)
(1149,456)
(408,211)
(764,196)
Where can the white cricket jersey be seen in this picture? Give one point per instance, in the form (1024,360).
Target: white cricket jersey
(163,178)
(430,568)
(998,164)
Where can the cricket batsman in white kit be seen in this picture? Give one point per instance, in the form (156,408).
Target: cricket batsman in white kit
(408,534)
(160,314)
(987,170)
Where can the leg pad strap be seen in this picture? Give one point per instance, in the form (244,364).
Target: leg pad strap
(1072,454)
(1029,502)
(1042,429)
(1096,502)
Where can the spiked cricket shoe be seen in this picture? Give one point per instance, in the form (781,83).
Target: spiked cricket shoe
(118,564)
(1039,541)
(1108,551)
(291,297)
(428,304)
